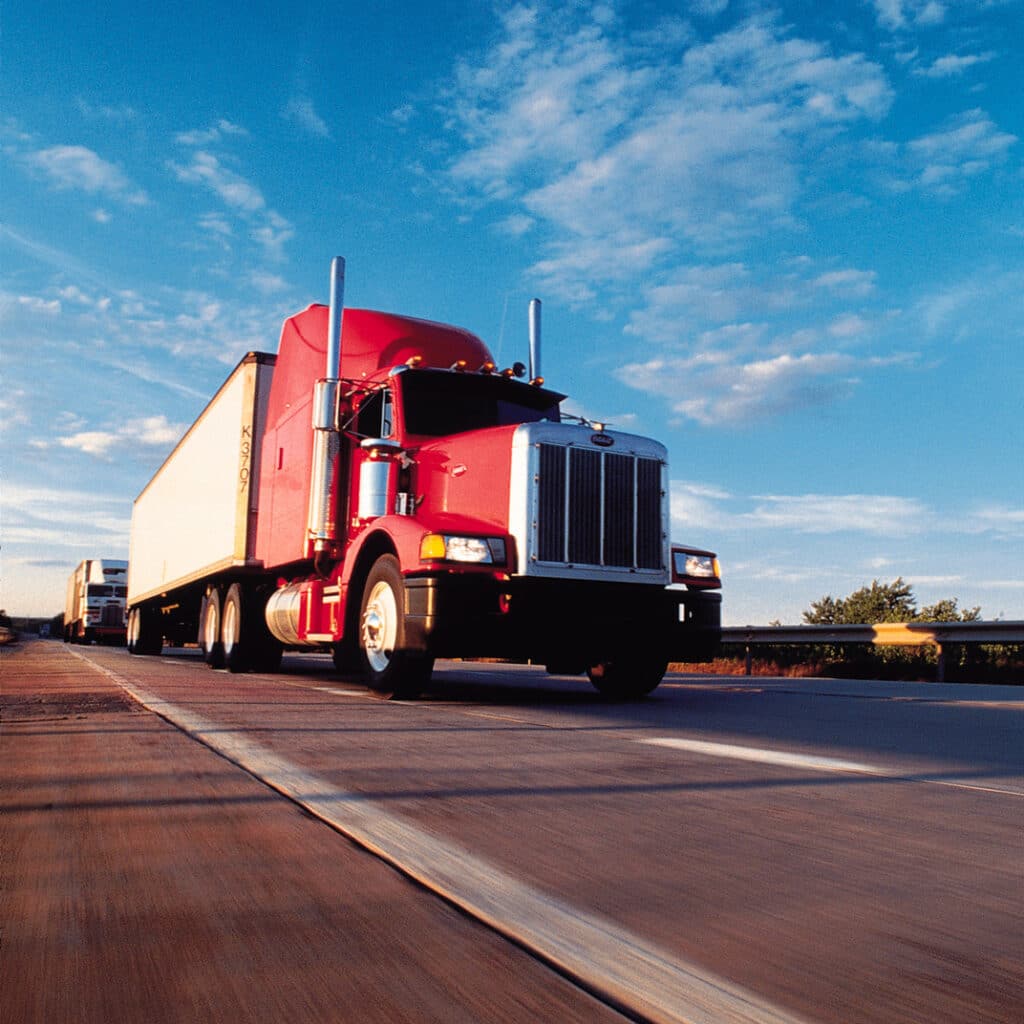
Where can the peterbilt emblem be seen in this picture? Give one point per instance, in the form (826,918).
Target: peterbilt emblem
(602,440)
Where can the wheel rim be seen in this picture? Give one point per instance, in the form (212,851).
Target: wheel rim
(229,628)
(380,626)
(210,627)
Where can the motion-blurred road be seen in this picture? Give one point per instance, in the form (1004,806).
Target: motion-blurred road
(182,844)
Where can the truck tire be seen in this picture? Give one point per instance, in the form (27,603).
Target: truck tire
(245,640)
(628,677)
(143,635)
(389,669)
(209,629)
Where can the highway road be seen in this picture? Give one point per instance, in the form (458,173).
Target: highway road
(181,844)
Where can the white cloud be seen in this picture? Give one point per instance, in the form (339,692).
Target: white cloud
(847,282)
(564,116)
(945,159)
(79,168)
(120,114)
(515,224)
(301,112)
(207,136)
(233,189)
(849,325)
(268,284)
(697,507)
(880,514)
(43,307)
(150,431)
(951,65)
(897,15)
(1004,520)
(267,227)
(727,390)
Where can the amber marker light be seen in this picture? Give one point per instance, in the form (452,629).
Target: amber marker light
(414,361)
(432,548)
(487,367)
(537,382)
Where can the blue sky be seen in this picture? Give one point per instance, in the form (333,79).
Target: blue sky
(785,239)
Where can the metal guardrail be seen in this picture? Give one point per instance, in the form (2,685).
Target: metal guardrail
(881,634)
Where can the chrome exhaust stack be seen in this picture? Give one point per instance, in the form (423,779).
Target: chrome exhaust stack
(322,527)
(534,339)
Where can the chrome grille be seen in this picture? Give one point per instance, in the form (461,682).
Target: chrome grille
(598,508)
(113,615)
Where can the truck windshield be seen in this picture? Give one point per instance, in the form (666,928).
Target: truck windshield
(440,402)
(100,590)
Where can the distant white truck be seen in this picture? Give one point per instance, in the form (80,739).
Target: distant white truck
(95,605)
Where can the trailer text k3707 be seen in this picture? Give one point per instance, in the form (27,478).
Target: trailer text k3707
(382,491)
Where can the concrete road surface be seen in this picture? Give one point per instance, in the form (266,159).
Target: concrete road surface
(183,844)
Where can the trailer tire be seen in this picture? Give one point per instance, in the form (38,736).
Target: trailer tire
(390,669)
(209,629)
(143,636)
(245,639)
(628,677)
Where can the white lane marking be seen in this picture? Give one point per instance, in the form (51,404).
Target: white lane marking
(825,764)
(609,961)
(778,757)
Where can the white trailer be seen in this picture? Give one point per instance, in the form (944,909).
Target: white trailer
(196,519)
(94,608)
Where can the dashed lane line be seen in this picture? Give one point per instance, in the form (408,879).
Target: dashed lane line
(763,756)
(788,759)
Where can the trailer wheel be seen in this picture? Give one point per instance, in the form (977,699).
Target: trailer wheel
(209,630)
(628,677)
(143,636)
(132,633)
(390,670)
(245,639)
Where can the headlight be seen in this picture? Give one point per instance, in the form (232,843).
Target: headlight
(686,563)
(443,547)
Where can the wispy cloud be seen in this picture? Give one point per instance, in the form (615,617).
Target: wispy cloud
(217,132)
(148,432)
(952,64)
(725,390)
(969,146)
(880,514)
(206,169)
(79,168)
(897,15)
(242,198)
(300,111)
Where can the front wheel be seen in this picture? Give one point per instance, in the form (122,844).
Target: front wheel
(390,668)
(626,678)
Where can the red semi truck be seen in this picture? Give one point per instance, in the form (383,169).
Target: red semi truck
(382,491)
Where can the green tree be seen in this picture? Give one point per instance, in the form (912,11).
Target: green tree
(947,611)
(881,602)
